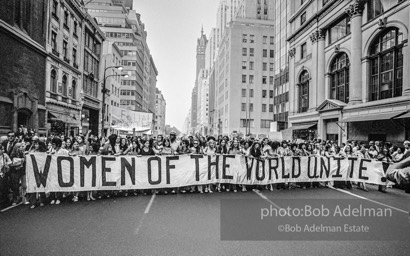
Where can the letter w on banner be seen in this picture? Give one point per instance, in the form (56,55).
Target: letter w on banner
(50,173)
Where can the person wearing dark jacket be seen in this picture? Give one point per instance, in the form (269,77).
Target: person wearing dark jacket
(9,143)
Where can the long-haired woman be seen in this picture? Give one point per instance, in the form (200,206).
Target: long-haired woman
(196,149)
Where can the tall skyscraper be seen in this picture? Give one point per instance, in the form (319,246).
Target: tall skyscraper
(281,80)
(200,64)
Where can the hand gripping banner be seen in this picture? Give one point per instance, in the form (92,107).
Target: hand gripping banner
(51,173)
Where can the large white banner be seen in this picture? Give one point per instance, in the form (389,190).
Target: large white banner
(127,120)
(46,173)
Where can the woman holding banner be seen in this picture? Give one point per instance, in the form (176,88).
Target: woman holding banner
(5,163)
(222,149)
(196,149)
(18,174)
(57,150)
(38,147)
(210,150)
(147,150)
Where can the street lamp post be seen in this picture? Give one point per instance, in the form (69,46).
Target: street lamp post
(104,91)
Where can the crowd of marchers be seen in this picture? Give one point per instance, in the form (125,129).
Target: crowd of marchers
(16,145)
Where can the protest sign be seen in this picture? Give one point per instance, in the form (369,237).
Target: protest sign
(46,173)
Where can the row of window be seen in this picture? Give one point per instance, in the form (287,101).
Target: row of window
(65,54)
(127,92)
(251,123)
(129,53)
(251,79)
(110,20)
(252,39)
(250,109)
(92,44)
(63,87)
(91,64)
(66,17)
(118,35)
(386,71)
(264,93)
(90,86)
(251,66)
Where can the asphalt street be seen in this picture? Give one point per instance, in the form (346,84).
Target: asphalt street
(182,224)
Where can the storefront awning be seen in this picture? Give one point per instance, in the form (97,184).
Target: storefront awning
(363,118)
(304,126)
(63,118)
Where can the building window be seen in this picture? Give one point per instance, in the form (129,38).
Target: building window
(303,51)
(244,52)
(386,65)
(251,93)
(251,52)
(264,93)
(244,38)
(271,54)
(250,107)
(243,92)
(302,18)
(251,65)
(54,40)
(265,53)
(54,11)
(53,80)
(264,66)
(271,108)
(73,89)
(339,30)
(265,123)
(272,40)
(271,94)
(252,39)
(271,66)
(264,78)
(263,107)
(243,108)
(339,78)
(66,19)
(251,79)
(243,64)
(265,40)
(74,56)
(243,78)
(303,92)
(374,9)
(75,29)
(64,85)
(65,44)
(247,123)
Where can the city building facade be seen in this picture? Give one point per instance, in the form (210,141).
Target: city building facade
(93,77)
(160,108)
(200,64)
(112,57)
(64,67)
(244,77)
(23,36)
(347,60)
(203,102)
(123,26)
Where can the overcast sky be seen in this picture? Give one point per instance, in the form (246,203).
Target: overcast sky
(173,27)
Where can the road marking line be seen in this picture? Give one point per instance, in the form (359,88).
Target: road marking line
(373,201)
(265,198)
(149,204)
(137,230)
(10,207)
